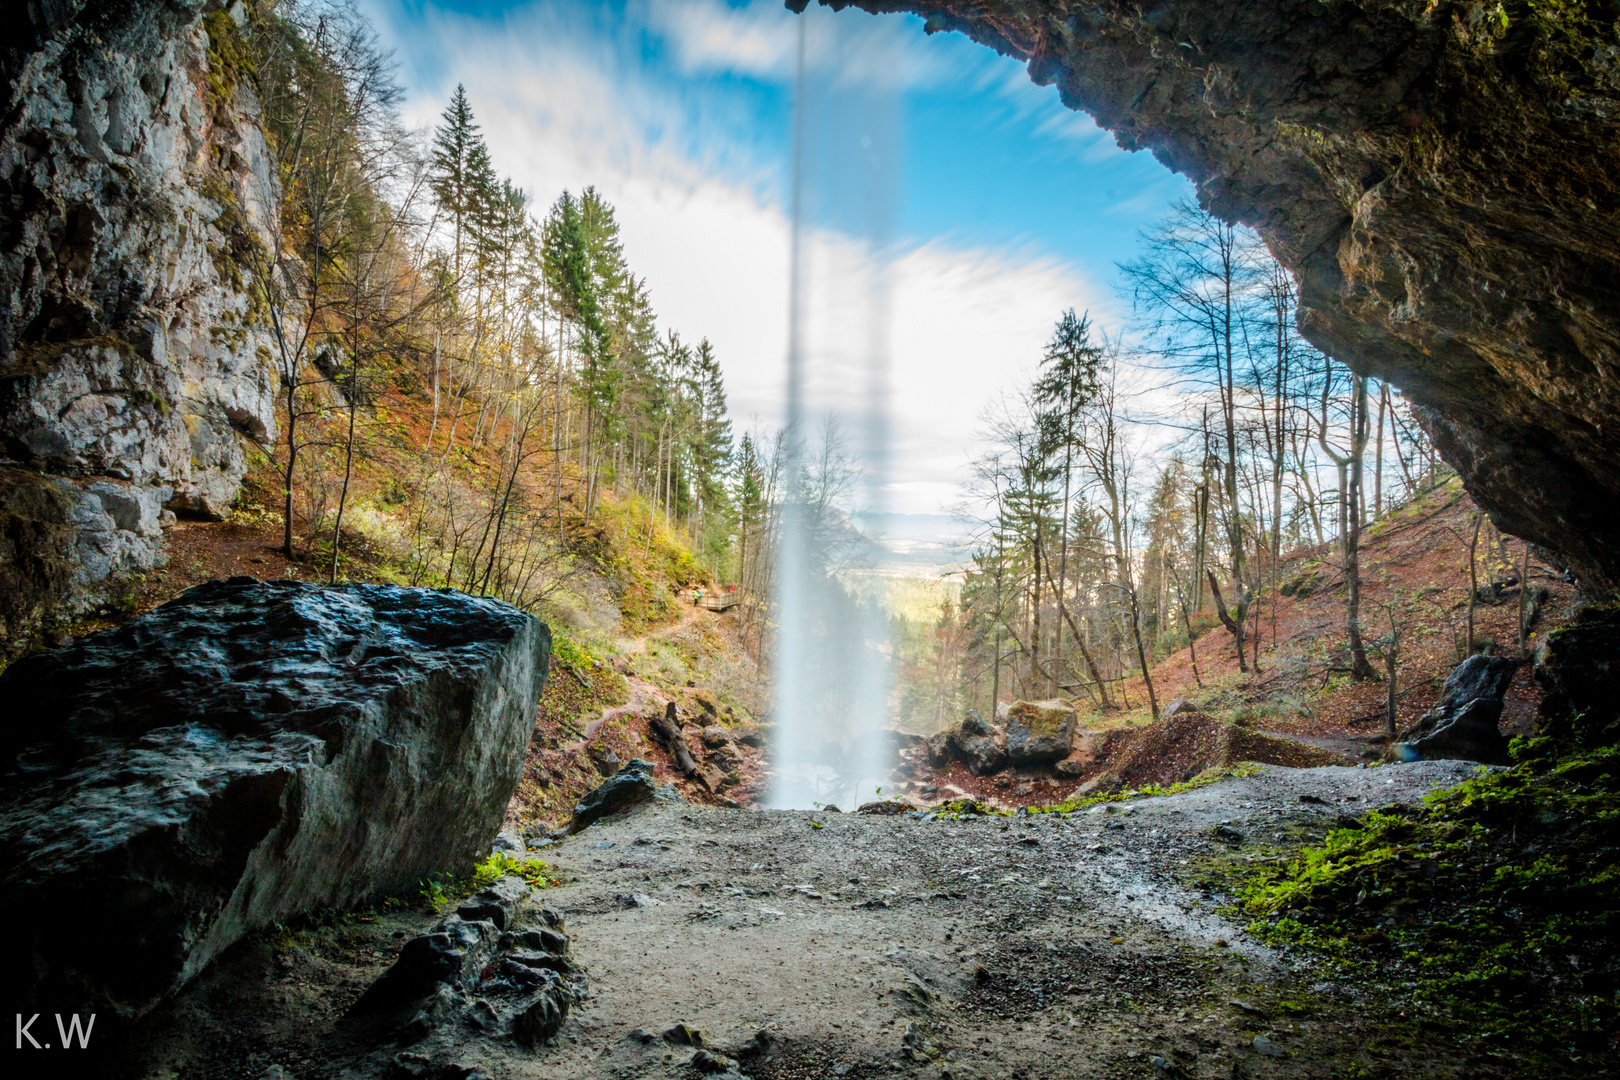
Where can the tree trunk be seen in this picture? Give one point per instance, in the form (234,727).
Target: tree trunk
(1473,581)
(1230,623)
(1360,668)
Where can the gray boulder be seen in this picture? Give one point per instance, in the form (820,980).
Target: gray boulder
(632,785)
(1464,724)
(974,725)
(1039,732)
(981,754)
(245,753)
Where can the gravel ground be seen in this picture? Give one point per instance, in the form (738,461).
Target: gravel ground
(1038,946)
(994,948)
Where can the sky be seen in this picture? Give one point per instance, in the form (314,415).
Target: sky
(951,209)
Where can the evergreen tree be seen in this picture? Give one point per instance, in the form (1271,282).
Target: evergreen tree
(711,430)
(455,144)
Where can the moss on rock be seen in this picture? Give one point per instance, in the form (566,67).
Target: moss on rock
(36,546)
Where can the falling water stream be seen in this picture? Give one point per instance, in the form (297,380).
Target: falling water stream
(833,658)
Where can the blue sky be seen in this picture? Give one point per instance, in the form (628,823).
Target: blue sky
(1003,206)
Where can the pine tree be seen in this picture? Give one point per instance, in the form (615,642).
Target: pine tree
(711,433)
(455,144)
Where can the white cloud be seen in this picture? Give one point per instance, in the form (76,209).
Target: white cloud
(707,35)
(760,40)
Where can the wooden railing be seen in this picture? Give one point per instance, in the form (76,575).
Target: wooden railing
(718,601)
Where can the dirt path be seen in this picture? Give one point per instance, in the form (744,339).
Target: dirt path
(642,692)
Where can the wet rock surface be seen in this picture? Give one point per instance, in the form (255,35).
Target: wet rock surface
(247,752)
(1441,180)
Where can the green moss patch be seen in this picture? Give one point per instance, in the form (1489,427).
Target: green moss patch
(1493,910)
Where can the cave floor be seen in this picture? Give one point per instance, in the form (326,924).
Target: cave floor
(1093,945)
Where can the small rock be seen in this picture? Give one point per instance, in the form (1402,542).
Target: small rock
(642,900)
(481,1015)
(631,786)
(543,1014)
(682,1035)
(641,1035)
(605,758)
(885,807)
(497,903)
(710,1063)
(1228,835)
(1167,1068)
(1265,1046)
(760,1047)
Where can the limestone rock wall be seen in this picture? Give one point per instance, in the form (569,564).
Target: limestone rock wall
(1443,178)
(134,183)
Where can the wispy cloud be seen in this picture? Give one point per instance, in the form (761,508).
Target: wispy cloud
(760,40)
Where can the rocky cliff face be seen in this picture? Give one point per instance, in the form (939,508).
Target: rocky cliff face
(134,182)
(1442,178)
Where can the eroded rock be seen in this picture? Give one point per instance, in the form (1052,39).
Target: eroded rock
(135,361)
(247,752)
(519,983)
(1464,723)
(1578,669)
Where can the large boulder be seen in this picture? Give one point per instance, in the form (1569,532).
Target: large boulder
(245,753)
(1464,723)
(1039,732)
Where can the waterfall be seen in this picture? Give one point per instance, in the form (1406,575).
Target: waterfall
(833,657)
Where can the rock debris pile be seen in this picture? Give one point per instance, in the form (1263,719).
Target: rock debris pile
(497,968)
